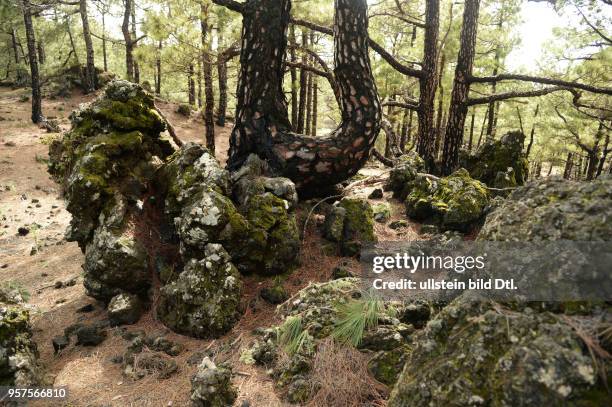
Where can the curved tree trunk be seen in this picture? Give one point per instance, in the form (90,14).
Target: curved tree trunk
(90,76)
(262,122)
(37,115)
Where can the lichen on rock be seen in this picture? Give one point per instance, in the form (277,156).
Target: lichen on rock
(403,173)
(456,202)
(202,301)
(492,161)
(19,365)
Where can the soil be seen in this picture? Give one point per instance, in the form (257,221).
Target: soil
(37,260)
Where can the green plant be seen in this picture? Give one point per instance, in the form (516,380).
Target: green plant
(15,286)
(355,317)
(291,335)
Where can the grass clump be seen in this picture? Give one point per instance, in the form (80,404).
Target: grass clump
(356,317)
(292,335)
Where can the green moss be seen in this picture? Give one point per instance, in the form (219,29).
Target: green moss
(358,225)
(132,114)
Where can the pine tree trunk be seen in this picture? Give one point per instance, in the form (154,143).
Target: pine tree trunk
(428,83)
(158,68)
(404,130)
(199,76)
(37,115)
(14,43)
(315,105)
(136,67)
(567,171)
(74,51)
(209,107)
(294,78)
(532,133)
(127,38)
(191,85)
(262,121)
(222,80)
(461,87)
(104,56)
(303,86)
(472,130)
(604,155)
(308,117)
(90,68)
(41,52)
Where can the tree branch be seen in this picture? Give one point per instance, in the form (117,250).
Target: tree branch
(514,94)
(597,31)
(230,4)
(397,65)
(537,79)
(413,105)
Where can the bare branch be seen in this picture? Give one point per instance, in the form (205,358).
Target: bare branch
(514,94)
(230,4)
(537,79)
(412,105)
(597,31)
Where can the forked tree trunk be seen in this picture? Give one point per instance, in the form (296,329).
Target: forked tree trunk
(428,83)
(37,115)
(90,68)
(461,87)
(262,122)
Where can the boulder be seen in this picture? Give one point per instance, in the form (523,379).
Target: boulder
(477,352)
(274,294)
(124,309)
(19,365)
(382,212)
(211,386)
(90,335)
(553,209)
(403,173)
(456,202)
(499,163)
(351,224)
(203,300)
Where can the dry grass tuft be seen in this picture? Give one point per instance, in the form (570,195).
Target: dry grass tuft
(340,378)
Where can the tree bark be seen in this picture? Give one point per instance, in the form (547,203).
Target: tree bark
(604,155)
(191,85)
(104,55)
(567,171)
(37,115)
(294,77)
(136,67)
(472,130)
(303,86)
(209,107)
(14,43)
(158,68)
(129,43)
(308,115)
(40,49)
(532,133)
(428,83)
(315,105)
(262,122)
(90,68)
(461,87)
(74,51)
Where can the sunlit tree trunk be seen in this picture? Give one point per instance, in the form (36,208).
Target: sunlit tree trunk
(262,122)
(37,115)
(90,68)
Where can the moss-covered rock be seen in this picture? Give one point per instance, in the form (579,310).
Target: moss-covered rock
(211,386)
(382,212)
(18,352)
(456,202)
(491,162)
(480,353)
(403,173)
(553,209)
(351,224)
(386,366)
(203,301)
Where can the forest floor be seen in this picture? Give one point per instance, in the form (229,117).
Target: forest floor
(35,256)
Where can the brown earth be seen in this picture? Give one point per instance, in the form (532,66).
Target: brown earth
(36,261)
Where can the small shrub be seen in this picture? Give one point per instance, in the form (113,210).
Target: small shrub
(356,317)
(184,110)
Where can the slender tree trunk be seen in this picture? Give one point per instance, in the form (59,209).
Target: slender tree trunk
(37,115)
(428,83)
(294,78)
(604,155)
(491,118)
(199,76)
(222,80)
(472,130)
(41,52)
(440,114)
(158,67)
(303,86)
(532,133)
(127,37)
(593,155)
(262,120)
(308,116)
(90,68)
(191,85)
(567,171)
(403,130)
(209,107)
(14,43)
(315,105)
(74,51)
(136,67)
(461,87)
(551,167)
(104,55)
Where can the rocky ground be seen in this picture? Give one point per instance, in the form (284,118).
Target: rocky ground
(36,259)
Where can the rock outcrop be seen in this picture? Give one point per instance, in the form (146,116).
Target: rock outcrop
(211,386)
(143,211)
(456,202)
(18,352)
(350,224)
(499,163)
(403,173)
